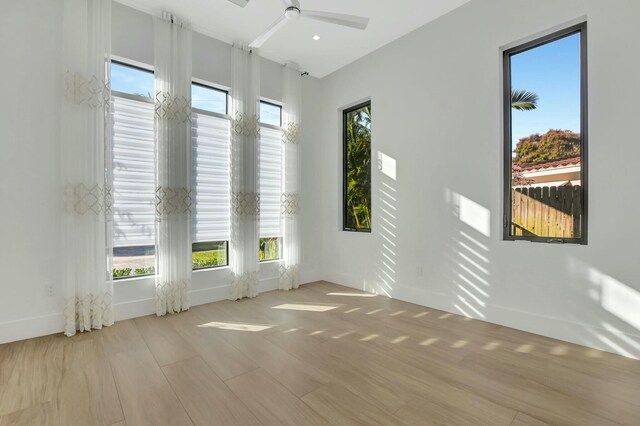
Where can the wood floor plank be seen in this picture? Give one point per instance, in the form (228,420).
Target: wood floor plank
(205,397)
(222,357)
(145,394)
(31,371)
(271,402)
(45,414)
(322,354)
(524,420)
(164,342)
(296,375)
(87,377)
(343,407)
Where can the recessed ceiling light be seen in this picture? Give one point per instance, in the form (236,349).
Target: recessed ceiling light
(316,37)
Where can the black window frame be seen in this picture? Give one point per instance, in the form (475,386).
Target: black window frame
(147,99)
(345,113)
(149,70)
(211,86)
(581,29)
(217,89)
(262,101)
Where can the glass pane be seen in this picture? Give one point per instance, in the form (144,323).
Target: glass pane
(269,249)
(270,114)
(358,168)
(209,255)
(134,261)
(208,99)
(546,195)
(134,81)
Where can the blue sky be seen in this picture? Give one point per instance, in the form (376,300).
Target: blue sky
(135,81)
(553,72)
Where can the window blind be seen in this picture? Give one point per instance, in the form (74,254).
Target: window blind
(270,181)
(133,173)
(211,185)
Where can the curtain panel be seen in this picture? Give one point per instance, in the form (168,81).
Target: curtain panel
(291,99)
(245,172)
(86,166)
(172,41)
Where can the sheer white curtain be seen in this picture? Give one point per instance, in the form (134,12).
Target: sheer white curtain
(86,165)
(291,99)
(173,163)
(245,172)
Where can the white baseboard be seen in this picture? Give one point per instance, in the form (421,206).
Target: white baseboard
(27,328)
(608,340)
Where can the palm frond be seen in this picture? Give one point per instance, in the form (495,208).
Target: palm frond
(523,100)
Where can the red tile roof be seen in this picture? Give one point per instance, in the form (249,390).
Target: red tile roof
(565,162)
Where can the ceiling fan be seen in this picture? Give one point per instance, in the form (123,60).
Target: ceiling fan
(293,11)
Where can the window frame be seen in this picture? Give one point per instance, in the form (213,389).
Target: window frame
(280,247)
(226,116)
(125,63)
(507,148)
(272,103)
(345,112)
(148,69)
(280,238)
(208,85)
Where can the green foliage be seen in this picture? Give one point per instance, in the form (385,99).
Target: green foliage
(358,209)
(523,100)
(122,272)
(209,259)
(551,146)
(269,248)
(145,271)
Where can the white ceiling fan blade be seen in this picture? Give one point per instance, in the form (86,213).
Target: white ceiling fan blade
(262,38)
(241,3)
(292,3)
(352,21)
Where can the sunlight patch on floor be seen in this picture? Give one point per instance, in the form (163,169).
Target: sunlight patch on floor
(236,326)
(303,307)
(352,294)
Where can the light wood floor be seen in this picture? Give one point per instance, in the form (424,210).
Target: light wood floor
(323,354)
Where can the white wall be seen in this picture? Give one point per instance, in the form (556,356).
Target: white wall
(30,201)
(30,188)
(436,110)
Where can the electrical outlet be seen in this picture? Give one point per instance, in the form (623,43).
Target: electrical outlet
(50,290)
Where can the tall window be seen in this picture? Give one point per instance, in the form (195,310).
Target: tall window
(545,146)
(357,168)
(211,185)
(133,171)
(271,166)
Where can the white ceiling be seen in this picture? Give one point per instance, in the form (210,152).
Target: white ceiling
(337,47)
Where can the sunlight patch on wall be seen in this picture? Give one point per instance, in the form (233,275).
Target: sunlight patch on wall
(387,165)
(472,214)
(621,300)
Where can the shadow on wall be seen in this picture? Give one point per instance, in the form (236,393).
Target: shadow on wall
(385,230)
(600,295)
(467,255)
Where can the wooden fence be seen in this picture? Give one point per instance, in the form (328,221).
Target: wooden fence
(553,212)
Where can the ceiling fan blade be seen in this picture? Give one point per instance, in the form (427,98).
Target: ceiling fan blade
(241,3)
(262,38)
(292,3)
(352,21)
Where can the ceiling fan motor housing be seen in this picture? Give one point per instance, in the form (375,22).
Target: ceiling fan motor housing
(292,13)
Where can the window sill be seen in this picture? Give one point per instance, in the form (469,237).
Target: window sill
(264,262)
(213,268)
(132,278)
